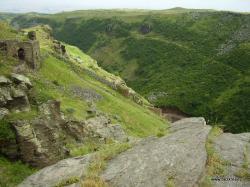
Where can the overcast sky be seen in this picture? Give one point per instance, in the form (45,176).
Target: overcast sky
(66,5)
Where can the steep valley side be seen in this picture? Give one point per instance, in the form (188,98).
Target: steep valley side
(193,60)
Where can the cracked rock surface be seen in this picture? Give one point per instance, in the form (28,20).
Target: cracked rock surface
(179,156)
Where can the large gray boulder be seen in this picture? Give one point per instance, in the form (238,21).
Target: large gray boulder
(179,158)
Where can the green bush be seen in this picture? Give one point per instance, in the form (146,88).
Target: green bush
(6,132)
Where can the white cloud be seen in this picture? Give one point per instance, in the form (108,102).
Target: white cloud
(64,5)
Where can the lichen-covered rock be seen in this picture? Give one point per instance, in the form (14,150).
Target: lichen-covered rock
(179,157)
(17,78)
(101,127)
(59,48)
(39,140)
(59,172)
(14,95)
(30,147)
(5,95)
(51,109)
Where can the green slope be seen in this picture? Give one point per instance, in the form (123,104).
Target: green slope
(55,80)
(56,77)
(199,58)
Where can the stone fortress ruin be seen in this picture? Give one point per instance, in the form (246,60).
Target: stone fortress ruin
(26,51)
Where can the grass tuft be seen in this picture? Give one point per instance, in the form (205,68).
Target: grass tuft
(67,182)
(215,165)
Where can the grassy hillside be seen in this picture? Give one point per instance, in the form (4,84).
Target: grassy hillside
(57,79)
(194,60)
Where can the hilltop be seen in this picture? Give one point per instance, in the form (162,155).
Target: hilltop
(193,61)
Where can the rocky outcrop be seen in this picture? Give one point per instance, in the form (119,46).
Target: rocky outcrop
(179,156)
(119,85)
(99,128)
(235,149)
(59,48)
(14,94)
(19,79)
(178,159)
(41,141)
(102,128)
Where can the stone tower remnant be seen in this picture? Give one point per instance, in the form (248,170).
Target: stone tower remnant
(25,51)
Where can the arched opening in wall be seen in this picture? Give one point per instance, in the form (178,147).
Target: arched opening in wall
(21,54)
(37,55)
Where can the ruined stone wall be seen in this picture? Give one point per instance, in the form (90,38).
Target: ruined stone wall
(31,51)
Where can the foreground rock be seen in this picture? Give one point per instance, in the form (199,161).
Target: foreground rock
(63,170)
(235,149)
(179,157)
